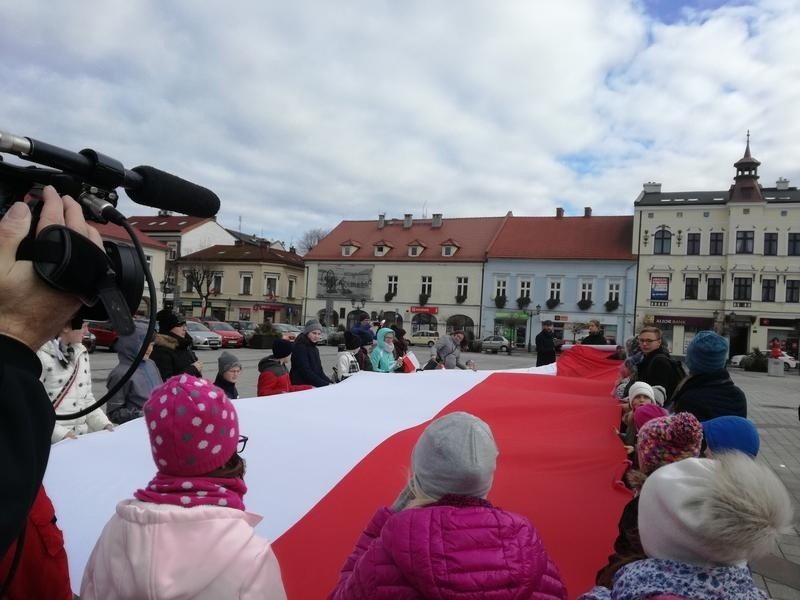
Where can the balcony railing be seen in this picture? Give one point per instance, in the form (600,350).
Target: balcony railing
(659,302)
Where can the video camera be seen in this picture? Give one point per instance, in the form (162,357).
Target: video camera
(109,283)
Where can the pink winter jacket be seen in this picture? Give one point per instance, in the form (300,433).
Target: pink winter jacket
(163,551)
(447,552)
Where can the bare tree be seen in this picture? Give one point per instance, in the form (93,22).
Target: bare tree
(311,238)
(201,278)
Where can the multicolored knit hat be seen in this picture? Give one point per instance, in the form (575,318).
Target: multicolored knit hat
(668,439)
(193,427)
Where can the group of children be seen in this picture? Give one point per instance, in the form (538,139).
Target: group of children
(702,507)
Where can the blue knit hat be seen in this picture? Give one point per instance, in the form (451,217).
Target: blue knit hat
(731,433)
(707,352)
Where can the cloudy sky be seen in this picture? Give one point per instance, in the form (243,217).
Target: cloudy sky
(301,114)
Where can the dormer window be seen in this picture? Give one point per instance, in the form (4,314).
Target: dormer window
(448,250)
(414,250)
(347,250)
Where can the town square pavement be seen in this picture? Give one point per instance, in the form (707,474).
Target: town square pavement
(773,404)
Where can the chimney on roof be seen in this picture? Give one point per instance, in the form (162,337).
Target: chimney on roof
(381,220)
(292,250)
(407,221)
(651,187)
(587,211)
(163,212)
(437,220)
(559,212)
(782,184)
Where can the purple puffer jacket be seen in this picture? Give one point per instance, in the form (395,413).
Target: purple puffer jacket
(448,552)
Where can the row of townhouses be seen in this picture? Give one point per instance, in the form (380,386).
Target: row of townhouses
(726,260)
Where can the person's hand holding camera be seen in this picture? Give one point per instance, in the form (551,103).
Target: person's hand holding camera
(30,310)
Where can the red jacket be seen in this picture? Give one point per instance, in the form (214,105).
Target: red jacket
(274,379)
(42,570)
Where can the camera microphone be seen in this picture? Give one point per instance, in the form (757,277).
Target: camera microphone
(153,187)
(144,185)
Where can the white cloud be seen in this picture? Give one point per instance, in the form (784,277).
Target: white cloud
(302,115)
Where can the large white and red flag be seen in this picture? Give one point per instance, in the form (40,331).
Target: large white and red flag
(320,462)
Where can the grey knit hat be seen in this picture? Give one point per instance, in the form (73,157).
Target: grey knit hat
(456,454)
(312,325)
(228,361)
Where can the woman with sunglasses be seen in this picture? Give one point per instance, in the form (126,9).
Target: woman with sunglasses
(186,533)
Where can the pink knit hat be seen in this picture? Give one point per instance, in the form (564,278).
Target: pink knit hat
(647,412)
(668,439)
(193,426)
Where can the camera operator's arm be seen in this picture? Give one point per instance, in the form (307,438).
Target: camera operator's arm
(30,314)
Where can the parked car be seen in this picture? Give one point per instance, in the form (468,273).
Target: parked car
(424,338)
(246,328)
(104,333)
(202,336)
(287,332)
(789,362)
(230,337)
(495,343)
(90,341)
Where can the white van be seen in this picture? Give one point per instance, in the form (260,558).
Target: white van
(424,338)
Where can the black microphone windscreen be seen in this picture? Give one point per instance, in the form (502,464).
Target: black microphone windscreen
(162,190)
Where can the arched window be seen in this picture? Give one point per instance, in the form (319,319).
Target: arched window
(423,322)
(663,242)
(462,323)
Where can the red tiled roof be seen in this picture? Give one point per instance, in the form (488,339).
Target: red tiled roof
(245,253)
(110,231)
(155,224)
(474,235)
(607,238)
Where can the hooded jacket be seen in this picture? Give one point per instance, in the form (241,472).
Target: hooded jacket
(163,551)
(274,378)
(56,376)
(127,403)
(656,369)
(173,355)
(710,395)
(382,358)
(449,553)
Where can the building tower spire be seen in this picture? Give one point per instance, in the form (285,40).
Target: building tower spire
(746,187)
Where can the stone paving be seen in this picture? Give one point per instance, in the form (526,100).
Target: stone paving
(773,406)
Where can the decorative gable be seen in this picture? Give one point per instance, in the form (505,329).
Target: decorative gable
(449,247)
(349,247)
(416,248)
(382,247)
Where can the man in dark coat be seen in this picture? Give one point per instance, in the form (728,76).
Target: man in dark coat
(545,345)
(172,348)
(708,392)
(656,367)
(595,337)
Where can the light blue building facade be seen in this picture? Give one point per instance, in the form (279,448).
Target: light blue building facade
(567,292)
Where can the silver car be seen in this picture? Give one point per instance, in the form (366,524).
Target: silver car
(495,343)
(202,336)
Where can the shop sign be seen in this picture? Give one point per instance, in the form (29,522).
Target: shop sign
(561,318)
(517,315)
(778,322)
(197,303)
(688,321)
(268,307)
(431,310)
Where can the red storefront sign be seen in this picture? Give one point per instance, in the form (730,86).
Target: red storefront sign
(431,310)
(267,307)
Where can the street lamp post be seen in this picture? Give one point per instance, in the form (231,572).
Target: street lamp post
(530,323)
